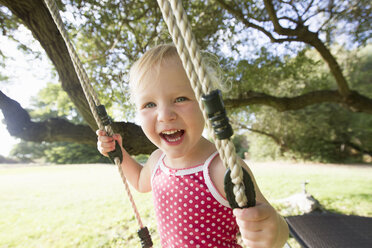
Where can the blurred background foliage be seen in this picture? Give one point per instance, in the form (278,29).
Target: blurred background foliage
(110,35)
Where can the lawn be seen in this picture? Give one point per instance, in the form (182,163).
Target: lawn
(86,205)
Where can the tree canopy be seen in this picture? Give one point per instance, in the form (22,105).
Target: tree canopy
(284,55)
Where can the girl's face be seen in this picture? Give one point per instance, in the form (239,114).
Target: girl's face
(168,111)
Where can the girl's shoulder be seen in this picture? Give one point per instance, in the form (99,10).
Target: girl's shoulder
(148,168)
(154,158)
(217,172)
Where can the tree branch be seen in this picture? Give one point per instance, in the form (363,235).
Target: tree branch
(305,35)
(359,148)
(300,33)
(19,124)
(279,141)
(355,102)
(275,21)
(308,7)
(240,16)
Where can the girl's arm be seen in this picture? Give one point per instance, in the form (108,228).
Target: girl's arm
(260,226)
(139,176)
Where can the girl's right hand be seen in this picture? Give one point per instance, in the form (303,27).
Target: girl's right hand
(105,143)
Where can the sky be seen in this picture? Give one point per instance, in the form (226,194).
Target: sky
(27,76)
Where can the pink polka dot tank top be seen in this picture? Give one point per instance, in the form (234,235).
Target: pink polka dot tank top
(190,211)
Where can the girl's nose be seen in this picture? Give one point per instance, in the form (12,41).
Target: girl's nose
(166,114)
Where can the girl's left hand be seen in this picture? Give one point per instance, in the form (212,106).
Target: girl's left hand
(258,225)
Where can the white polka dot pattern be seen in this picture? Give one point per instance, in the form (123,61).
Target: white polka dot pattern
(187,213)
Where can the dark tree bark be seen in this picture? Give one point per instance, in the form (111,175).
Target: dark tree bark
(19,124)
(354,101)
(35,15)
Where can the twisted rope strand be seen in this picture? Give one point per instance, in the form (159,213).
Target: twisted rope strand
(191,46)
(180,30)
(129,194)
(90,94)
(83,78)
(183,53)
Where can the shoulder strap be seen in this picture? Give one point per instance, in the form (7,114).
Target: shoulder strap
(157,166)
(210,158)
(209,183)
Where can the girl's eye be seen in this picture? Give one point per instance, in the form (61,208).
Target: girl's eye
(149,105)
(181,99)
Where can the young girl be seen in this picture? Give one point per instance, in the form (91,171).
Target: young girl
(185,173)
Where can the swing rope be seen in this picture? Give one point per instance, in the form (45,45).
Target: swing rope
(91,97)
(180,30)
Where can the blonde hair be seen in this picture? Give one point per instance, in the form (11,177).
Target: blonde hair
(148,61)
(156,55)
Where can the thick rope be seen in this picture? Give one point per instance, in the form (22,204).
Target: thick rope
(90,94)
(180,30)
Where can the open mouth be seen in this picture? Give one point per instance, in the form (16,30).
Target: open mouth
(172,136)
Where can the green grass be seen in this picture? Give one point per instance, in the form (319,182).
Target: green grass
(341,189)
(86,205)
(69,206)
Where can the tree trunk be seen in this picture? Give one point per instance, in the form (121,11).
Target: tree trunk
(35,15)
